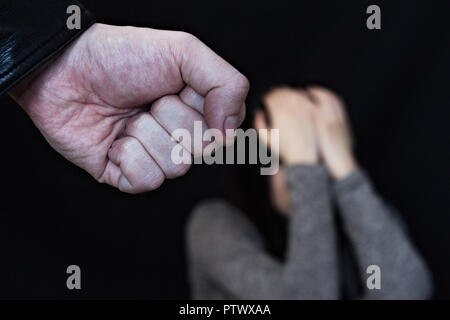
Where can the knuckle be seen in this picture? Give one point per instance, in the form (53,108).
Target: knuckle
(187,37)
(241,84)
(137,123)
(181,170)
(159,105)
(131,190)
(155,181)
(177,170)
(127,147)
(150,182)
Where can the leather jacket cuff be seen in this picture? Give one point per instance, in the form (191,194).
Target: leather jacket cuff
(31,33)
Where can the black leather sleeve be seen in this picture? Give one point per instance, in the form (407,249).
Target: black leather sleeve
(32,32)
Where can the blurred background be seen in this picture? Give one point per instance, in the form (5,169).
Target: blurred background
(395,82)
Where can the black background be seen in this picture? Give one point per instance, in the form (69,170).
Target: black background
(395,82)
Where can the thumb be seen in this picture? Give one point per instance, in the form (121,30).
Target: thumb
(224,88)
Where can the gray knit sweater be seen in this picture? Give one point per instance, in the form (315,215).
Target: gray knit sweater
(227,258)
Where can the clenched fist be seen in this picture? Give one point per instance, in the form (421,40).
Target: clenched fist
(92,101)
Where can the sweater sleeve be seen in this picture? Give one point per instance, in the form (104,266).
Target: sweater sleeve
(379,239)
(311,271)
(32,32)
(227,253)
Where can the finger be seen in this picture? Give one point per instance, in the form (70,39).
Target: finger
(192,99)
(285,100)
(340,106)
(324,95)
(304,99)
(131,168)
(325,101)
(260,123)
(224,88)
(157,142)
(271,100)
(172,114)
(340,111)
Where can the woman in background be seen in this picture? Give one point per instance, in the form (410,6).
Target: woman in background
(226,252)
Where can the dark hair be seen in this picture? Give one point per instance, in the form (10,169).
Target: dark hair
(245,188)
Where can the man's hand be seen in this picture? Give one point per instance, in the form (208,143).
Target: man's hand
(91,102)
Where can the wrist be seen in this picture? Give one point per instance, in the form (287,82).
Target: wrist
(299,159)
(19,90)
(343,169)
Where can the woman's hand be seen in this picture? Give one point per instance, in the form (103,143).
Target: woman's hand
(333,132)
(290,111)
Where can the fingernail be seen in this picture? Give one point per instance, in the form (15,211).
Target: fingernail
(231,122)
